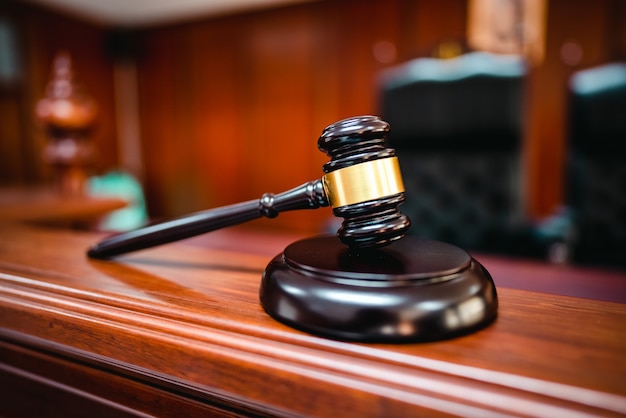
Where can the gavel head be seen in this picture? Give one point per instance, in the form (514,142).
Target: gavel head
(363,182)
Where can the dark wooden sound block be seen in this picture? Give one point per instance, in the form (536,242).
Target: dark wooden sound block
(410,290)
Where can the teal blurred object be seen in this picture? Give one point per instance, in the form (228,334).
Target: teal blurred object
(124,186)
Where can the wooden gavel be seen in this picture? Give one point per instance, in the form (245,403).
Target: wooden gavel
(362,184)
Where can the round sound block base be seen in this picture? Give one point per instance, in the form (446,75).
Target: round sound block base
(410,290)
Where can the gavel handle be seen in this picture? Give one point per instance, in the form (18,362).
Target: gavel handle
(310,195)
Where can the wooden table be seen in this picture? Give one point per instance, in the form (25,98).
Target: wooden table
(48,206)
(178,331)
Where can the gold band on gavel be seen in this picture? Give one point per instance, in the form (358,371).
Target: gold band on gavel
(362,182)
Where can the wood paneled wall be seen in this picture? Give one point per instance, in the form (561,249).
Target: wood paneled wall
(232,107)
(266,83)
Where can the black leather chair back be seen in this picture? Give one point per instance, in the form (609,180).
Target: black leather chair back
(457,127)
(596,171)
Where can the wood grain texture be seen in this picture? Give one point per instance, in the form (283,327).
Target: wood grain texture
(232,107)
(214,92)
(181,327)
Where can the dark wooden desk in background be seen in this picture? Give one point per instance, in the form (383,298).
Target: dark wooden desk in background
(50,207)
(178,331)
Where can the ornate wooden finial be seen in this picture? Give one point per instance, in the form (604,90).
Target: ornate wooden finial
(66,105)
(67,113)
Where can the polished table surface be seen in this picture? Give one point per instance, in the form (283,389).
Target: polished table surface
(49,206)
(179,331)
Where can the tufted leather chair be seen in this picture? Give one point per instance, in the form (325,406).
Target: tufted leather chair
(596,170)
(456,125)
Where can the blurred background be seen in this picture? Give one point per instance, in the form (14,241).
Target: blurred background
(208,103)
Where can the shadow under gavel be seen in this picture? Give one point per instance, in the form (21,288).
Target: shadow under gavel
(362,184)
